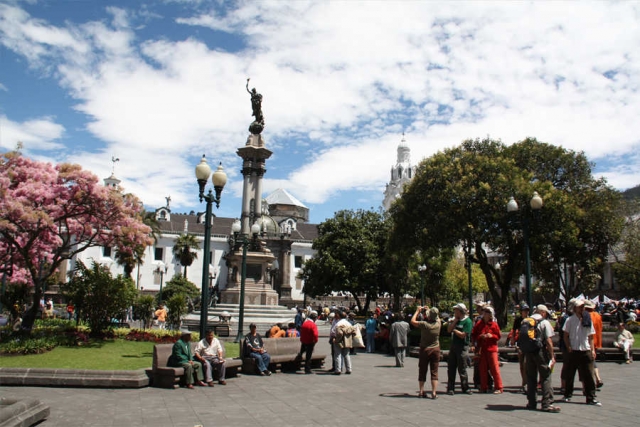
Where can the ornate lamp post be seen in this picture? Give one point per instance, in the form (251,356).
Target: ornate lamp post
(512,207)
(219,179)
(235,241)
(422,269)
(161,269)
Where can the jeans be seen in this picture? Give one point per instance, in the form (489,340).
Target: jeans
(400,353)
(538,363)
(262,360)
(342,355)
(211,363)
(371,342)
(457,361)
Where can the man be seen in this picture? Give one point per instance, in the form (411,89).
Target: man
(308,340)
(581,352)
(181,357)
(429,348)
(541,362)
(210,353)
(517,322)
(255,349)
(398,338)
(342,343)
(298,319)
(371,326)
(624,341)
(596,319)
(460,329)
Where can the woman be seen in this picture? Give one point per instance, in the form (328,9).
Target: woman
(486,333)
(429,349)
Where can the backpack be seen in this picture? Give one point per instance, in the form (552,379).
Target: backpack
(529,337)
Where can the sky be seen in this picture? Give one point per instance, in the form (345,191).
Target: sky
(158,84)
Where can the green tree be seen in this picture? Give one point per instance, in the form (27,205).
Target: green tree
(349,256)
(179,285)
(185,250)
(177,306)
(627,253)
(460,195)
(143,309)
(98,297)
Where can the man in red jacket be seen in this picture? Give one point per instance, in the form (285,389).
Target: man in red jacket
(308,340)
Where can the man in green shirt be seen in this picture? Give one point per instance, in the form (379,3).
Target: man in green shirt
(181,357)
(460,329)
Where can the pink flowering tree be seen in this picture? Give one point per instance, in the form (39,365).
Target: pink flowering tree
(48,214)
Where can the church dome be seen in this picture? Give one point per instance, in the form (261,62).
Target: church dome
(268,225)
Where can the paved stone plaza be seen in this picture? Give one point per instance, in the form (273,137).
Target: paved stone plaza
(376,394)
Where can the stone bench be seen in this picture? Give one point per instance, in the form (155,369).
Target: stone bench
(283,352)
(21,412)
(73,378)
(169,377)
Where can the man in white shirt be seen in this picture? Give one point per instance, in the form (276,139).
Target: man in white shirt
(624,341)
(578,337)
(210,353)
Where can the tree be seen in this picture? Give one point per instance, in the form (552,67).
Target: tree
(143,309)
(458,196)
(177,306)
(185,249)
(48,214)
(627,266)
(179,285)
(349,258)
(98,297)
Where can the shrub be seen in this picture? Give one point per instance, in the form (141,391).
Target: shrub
(177,306)
(180,285)
(143,309)
(28,345)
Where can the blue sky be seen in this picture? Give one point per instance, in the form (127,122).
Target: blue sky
(158,84)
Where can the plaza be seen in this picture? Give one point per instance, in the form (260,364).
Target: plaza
(376,394)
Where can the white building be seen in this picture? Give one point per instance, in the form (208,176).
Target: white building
(401,174)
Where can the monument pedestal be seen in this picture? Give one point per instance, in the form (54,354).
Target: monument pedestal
(258,290)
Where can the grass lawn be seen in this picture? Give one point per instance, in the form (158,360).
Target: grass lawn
(107,355)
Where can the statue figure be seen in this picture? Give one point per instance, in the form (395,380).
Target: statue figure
(256,105)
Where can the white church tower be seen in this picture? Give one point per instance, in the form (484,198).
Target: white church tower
(401,174)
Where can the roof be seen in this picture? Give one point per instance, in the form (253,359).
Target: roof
(283,197)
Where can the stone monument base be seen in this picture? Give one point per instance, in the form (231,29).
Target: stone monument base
(252,296)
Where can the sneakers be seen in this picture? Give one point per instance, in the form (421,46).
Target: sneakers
(628,361)
(593,403)
(268,373)
(348,373)
(566,399)
(467,391)
(552,409)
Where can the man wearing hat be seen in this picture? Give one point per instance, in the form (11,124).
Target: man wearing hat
(596,319)
(181,357)
(517,322)
(541,362)
(308,340)
(581,354)
(460,329)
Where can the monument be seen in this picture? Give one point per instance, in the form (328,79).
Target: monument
(259,259)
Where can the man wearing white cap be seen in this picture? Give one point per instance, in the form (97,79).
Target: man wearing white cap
(581,351)
(460,329)
(541,362)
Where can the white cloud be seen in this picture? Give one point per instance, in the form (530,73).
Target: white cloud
(342,80)
(36,134)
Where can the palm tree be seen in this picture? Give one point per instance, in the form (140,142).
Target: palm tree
(151,221)
(185,249)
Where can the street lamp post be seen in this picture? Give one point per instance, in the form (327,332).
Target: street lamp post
(422,269)
(161,269)
(468,256)
(235,229)
(512,207)
(219,179)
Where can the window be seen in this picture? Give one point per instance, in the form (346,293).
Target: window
(159,254)
(298,261)
(106,251)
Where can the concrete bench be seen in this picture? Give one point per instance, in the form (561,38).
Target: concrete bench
(283,352)
(164,376)
(73,378)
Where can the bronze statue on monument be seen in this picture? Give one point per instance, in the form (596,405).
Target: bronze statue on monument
(256,105)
